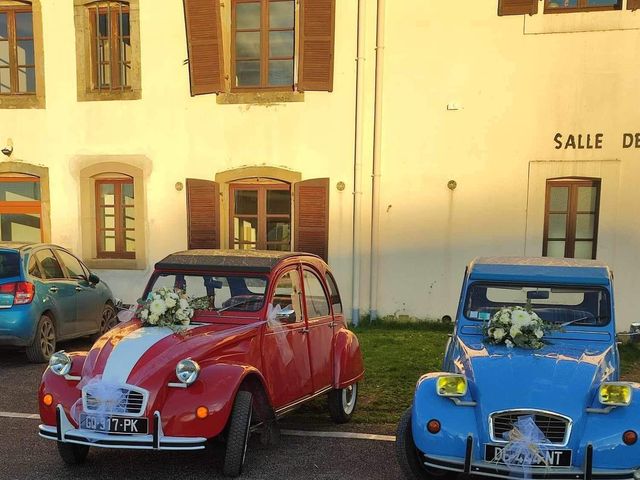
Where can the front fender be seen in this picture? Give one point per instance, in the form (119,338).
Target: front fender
(347,363)
(215,389)
(65,392)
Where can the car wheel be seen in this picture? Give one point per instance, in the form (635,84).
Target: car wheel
(73,454)
(108,320)
(408,455)
(238,434)
(342,403)
(44,343)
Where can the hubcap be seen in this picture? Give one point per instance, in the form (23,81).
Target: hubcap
(108,320)
(349,396)
(47,338)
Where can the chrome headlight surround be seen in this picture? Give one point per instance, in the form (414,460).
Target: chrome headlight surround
(60,363)
(622,393)
(451,385)
(187,371)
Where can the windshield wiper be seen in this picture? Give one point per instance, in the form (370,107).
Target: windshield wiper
(576,320)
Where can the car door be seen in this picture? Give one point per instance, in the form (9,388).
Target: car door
(88,299)
(60,292)
(320,323)
(285,347)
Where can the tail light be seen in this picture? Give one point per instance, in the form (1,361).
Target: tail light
(22,292)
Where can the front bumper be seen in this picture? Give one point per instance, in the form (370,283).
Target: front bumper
(487,469)
(65,432)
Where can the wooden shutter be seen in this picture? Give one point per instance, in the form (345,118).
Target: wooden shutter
(317,38)
(517,7)
(204,41)
(311,217)
(203,214)
(633,4)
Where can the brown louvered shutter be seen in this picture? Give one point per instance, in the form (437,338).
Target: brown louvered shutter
(311,216)
(517,7)
(633,4)
(317,38)
(204,41)
(203,214)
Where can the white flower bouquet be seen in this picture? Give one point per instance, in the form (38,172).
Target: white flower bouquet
(166,308)
(516,327)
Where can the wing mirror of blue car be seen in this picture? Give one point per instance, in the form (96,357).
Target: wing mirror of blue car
(94,279)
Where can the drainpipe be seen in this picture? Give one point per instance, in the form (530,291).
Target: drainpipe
(357,167)
(377,163)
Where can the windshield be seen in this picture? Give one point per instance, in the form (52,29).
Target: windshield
(217,292)
(578,305)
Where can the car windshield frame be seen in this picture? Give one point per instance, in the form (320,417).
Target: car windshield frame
(221,309)
(603,317)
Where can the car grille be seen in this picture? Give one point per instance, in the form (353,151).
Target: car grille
(123,401)
(554,427)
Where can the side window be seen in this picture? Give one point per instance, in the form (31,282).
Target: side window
(287,293)
(50,266)
(315,298)
(71,264)
(335,294)
(34,268)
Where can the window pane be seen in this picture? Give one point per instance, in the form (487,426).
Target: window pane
(247,73)
(19,191)
(315,298)
(71,263)
(335,295)
(244,246)
(130,217)
(107,191)
(4,30)
(125,25)
(278,202)
(585,225)
(281,14)
(281,72)
(109,221)
(559,199)
(25,52)
(563,3)
(103,25)
(587,199)
(24,24)
(555,249)
(5,80)
(20,227)
(245,230)
(287,294)
(557,226)
(246,202)
(602,3)
(281,44)
(130,245)
(50,266)
(4,53)
(109,241)
(279,247)
(27,80)
(278,231)
(247,16)
(584,250)
(248,45)
(128,193)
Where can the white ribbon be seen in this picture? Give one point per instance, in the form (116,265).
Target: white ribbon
(286,352)
(526,446)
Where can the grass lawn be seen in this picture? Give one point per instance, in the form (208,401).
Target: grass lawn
(395,356)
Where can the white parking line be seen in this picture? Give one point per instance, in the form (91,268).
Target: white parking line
(293,433)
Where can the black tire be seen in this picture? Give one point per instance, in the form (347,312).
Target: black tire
(44,343)
(238,434)
(73,454)
(408,455)
(108,320)
(342,403)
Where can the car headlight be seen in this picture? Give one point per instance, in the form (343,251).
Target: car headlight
(187,371)
(451,385)
(60,363)
(615,393)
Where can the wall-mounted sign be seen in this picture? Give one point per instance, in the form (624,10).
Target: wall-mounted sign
(592,141)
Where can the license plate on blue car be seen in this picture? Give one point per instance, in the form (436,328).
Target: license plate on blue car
(550,457)
(114,424)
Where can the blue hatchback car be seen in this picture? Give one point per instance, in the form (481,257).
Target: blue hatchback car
(47,295)
(506,409)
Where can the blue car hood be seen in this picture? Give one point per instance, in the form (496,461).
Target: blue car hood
(561,377)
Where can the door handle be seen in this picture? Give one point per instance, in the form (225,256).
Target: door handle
(304,330)
(331,324)
(79,289)
(53,289)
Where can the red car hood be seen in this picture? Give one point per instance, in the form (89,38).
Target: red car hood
(135,355)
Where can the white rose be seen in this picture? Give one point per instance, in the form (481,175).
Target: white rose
(153,319)
(170,302)
(499,334)
(157,307)
(144,314)
(514,331)
(539,333)
(505,317)
(184,304)
(509,344)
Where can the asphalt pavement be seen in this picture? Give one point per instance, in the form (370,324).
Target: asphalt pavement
(24,455)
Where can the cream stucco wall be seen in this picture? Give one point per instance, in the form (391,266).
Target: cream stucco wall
(518,82)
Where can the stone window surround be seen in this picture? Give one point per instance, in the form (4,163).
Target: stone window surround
(37,100)
(83,55)
(45,197)
(88,216)
(247,173)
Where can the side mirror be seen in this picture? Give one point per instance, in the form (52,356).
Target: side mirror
(94,279)
(288,315)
